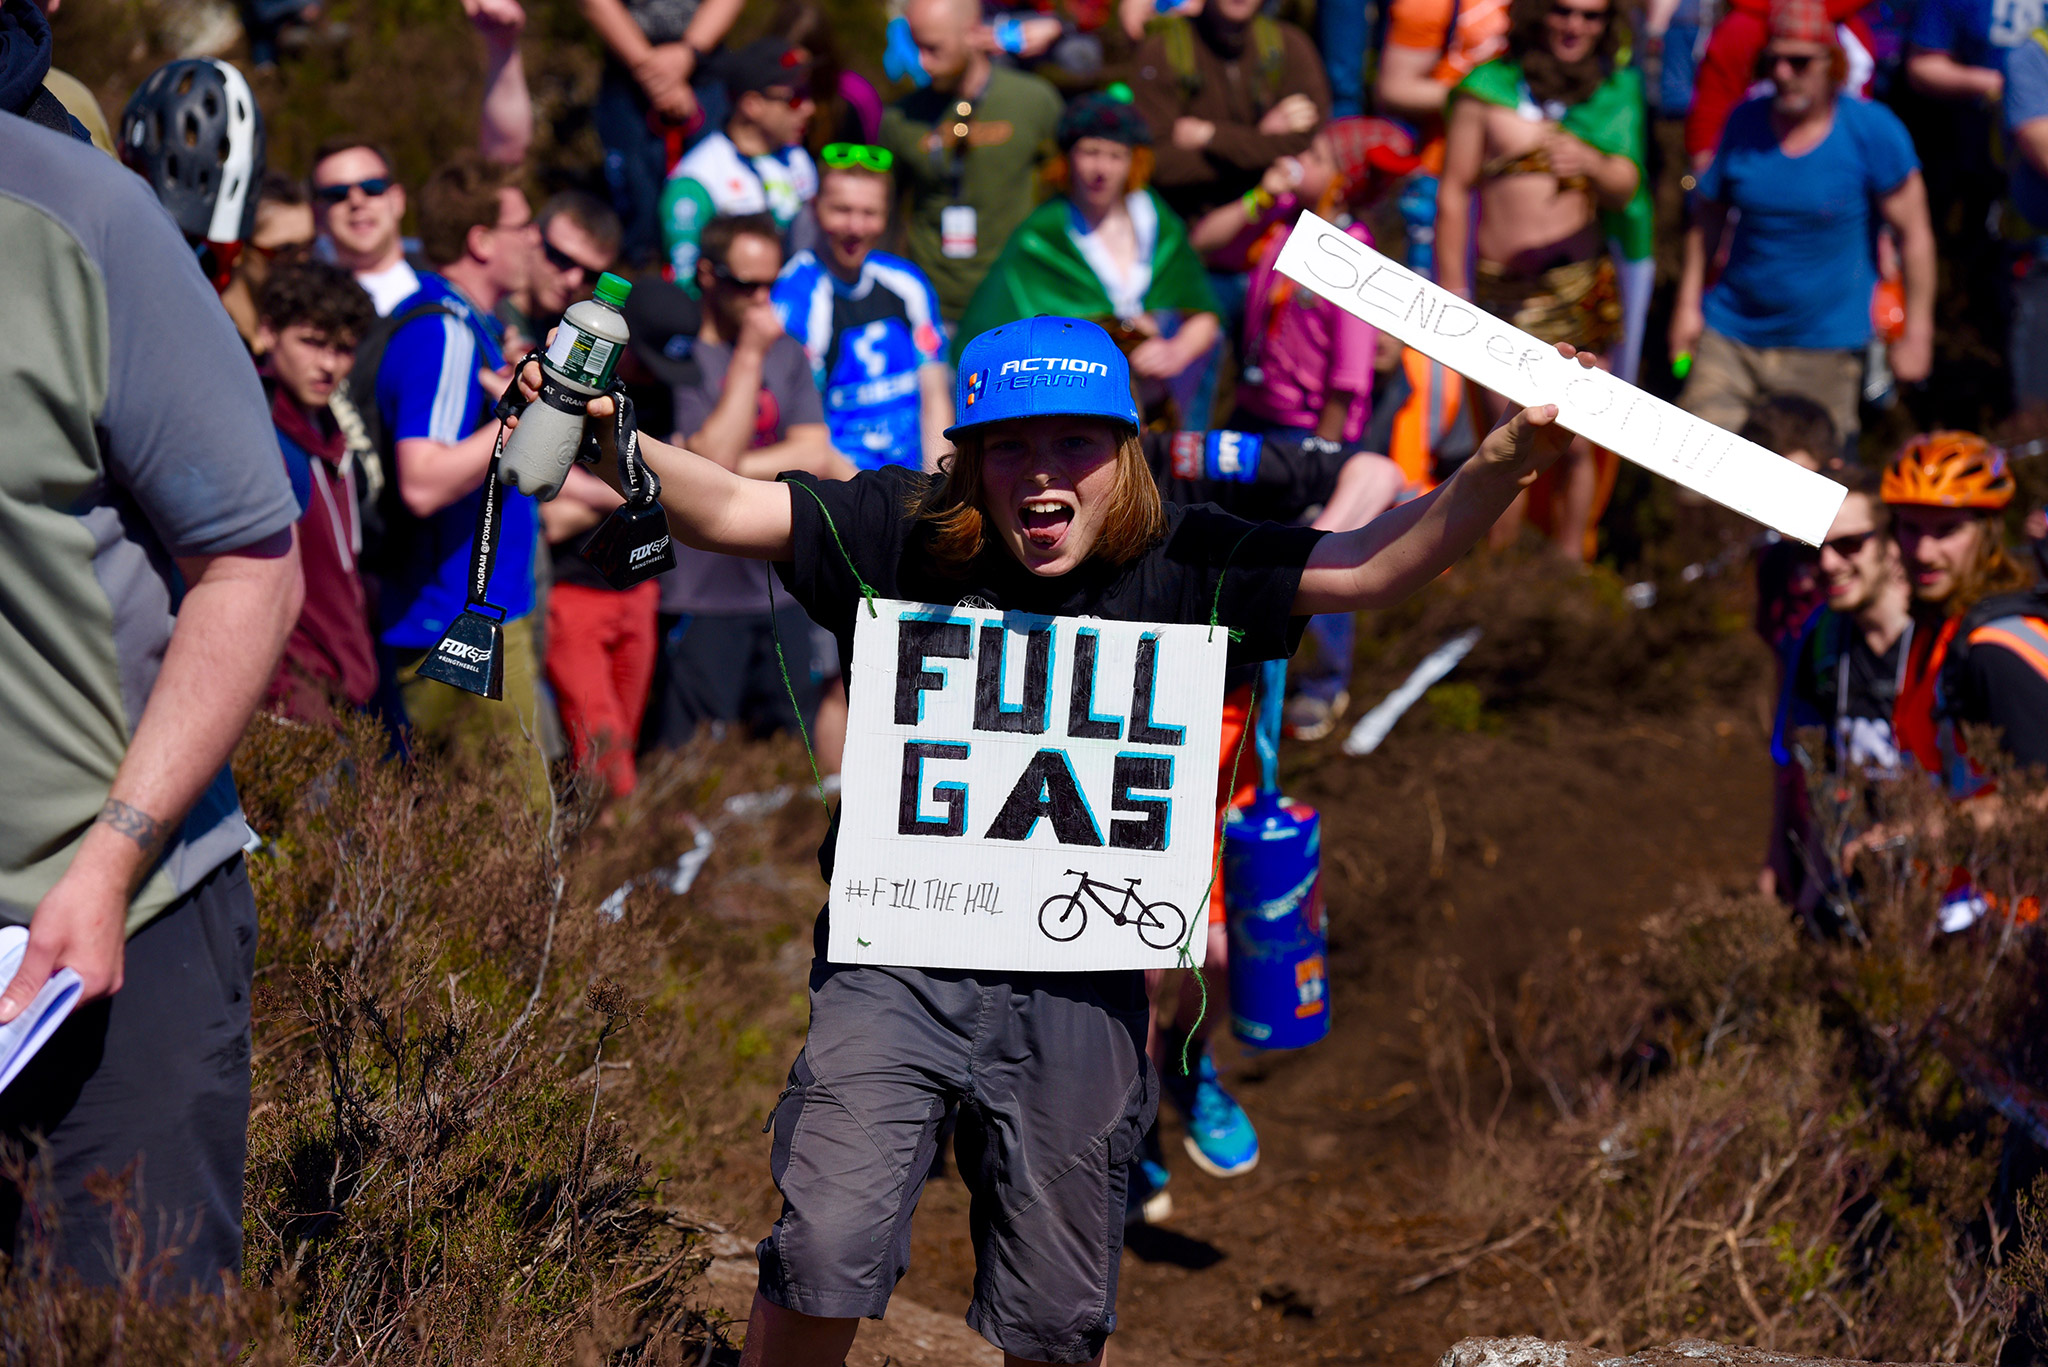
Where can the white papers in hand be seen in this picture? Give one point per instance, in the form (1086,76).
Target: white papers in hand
(27,1032)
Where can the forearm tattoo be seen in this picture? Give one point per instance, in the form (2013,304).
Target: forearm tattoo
(138,825)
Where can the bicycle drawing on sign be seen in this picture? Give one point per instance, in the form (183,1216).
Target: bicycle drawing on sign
(1063,916)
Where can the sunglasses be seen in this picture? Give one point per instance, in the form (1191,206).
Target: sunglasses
(1567,13)
(1798,61)
(797,98)
(840,155)
(723,274)
(564,262)
(1850,546)
(335,194)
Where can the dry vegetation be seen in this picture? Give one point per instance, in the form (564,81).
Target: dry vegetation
(466,1077)
(1740,1131)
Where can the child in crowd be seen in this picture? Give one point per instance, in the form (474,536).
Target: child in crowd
(310,315)
(1307,365)
(1046,507)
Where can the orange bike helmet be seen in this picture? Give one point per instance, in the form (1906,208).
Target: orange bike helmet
(1948,470)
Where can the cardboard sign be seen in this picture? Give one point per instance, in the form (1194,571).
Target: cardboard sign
(1608,411)
(1026,793)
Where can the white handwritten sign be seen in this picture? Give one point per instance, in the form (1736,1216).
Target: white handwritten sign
(1026,793)
(1611,412)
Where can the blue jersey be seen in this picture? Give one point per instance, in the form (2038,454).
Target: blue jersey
(866,341)
(427,387)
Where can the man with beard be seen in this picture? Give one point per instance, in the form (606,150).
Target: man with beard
(1812,175)
(1551,136)
(1844,677)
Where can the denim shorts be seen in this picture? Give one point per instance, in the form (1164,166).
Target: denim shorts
(1048,1077)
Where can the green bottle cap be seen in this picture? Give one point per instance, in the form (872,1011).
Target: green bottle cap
(612,289)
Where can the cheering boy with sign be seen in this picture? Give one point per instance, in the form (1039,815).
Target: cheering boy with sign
(1048,509)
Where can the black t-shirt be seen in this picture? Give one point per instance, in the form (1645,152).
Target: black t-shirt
(1259,565)
(1852,689)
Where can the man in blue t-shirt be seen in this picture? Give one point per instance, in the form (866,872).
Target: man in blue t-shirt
(441,374)
(1813,174)
(2026,121)
(869,322)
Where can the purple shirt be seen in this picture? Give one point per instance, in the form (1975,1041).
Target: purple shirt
(1304,348)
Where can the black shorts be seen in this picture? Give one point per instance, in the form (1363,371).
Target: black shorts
(1048,1076)
(739,669)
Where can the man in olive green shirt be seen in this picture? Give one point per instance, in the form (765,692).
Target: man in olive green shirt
(968,149)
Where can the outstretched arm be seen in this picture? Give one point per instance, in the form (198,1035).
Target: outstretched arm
(708,506)
(1399,551)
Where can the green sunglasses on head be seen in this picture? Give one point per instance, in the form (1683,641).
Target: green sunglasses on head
(840,155)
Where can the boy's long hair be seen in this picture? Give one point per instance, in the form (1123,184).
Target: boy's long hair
(950,502)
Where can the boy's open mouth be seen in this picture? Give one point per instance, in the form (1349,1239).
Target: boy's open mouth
(1045,522)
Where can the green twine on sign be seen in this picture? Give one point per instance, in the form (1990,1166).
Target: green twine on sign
(1184,959)
(782,661)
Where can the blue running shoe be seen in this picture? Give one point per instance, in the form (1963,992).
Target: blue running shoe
(1220,1138)
(1147,1201)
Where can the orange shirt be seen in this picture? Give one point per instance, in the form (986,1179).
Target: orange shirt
(1481,36)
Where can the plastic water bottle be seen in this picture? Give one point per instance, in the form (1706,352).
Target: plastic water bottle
(577,367)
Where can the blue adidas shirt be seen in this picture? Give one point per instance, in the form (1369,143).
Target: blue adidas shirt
(427,387)
(1975,32)
(866,342)
(1803,261)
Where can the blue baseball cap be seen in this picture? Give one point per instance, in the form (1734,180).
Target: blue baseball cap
(1042,368)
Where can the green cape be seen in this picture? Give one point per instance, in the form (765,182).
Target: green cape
(1610,122)
(1042,271)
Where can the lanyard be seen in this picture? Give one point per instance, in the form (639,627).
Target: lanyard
(484,556)
(954,168)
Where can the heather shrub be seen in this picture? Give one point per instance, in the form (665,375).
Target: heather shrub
(1742,1130)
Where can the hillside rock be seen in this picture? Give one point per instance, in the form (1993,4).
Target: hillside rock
(1535,1352)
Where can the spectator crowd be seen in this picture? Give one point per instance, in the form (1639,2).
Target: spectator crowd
(1753,206)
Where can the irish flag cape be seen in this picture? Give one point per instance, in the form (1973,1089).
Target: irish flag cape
(1610,122)
(1042,270)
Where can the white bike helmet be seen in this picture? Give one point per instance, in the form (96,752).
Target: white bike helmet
(194,133)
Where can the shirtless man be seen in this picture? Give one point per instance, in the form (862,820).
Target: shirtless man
(1551,136)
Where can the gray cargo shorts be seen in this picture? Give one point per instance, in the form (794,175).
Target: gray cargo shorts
(1048,1075)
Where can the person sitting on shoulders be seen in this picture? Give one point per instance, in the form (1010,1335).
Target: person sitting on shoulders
(1047,507)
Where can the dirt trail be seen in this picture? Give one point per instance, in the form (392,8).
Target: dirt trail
(1488,848)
